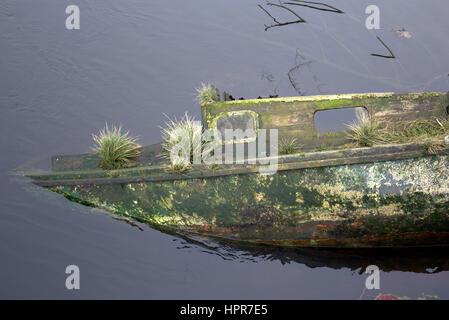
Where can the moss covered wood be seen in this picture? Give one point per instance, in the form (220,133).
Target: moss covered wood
(294,116)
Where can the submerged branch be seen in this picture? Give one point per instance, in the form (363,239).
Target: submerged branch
(308,5)
(277,23)
(280,5)
(391,56)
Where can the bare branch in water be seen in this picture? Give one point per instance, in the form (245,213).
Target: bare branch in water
(277,23)
(391,56)
(309,4)
(300,63)
(296,68)
(280,5)
(274,19)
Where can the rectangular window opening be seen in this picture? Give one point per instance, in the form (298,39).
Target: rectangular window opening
(334,120)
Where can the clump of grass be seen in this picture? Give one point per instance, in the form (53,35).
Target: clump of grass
(425,128)
(188,131)
(418,130)
(288,145)
(365,131)
(178,167)
(444,124)
(215,167)
(207,93)
(114,148)
(435,146)
(429,132)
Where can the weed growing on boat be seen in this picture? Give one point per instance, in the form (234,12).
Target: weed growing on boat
(435,146)
(429,132)
(288,145)
(365,131)
(419,129)
(178,168)
(187,130)
(214,167)
(114,148)
(207,93)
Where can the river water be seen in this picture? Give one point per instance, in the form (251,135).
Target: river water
(130,62)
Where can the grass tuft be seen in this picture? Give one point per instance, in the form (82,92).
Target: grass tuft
(207,93)
(435,146)
(114,148)
(178,168)
(423,128)
(288,145)
(429,132)
(365,131)
(186,129)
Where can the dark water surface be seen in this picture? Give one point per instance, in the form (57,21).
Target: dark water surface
(134,60)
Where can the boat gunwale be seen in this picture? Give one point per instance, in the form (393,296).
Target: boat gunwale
(286,162)
(345,96)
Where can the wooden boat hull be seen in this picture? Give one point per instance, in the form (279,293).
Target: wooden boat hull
(382,196)
(379,204)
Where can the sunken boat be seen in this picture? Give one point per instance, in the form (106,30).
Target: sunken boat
(385,184)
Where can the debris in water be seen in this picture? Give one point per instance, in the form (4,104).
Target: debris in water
(402,32)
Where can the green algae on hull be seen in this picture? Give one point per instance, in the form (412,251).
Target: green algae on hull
(362,205)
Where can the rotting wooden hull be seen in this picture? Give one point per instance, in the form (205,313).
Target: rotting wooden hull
(383,196)
(398,203)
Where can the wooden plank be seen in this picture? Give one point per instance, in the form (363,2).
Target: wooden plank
(235,169)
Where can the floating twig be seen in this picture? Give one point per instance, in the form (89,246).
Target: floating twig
(309,4)
(280,5)
(278,23)
(391,56)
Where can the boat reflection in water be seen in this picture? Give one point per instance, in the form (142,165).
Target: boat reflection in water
(425,260)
